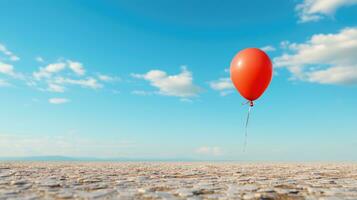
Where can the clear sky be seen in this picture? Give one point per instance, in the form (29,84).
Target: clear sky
(149,79)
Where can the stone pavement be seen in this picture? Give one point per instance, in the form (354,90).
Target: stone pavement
(155,180)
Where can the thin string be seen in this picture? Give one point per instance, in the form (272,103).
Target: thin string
(246,127)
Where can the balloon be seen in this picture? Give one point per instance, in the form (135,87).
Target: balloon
(251,73)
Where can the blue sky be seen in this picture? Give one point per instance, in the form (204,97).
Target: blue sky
(148,79)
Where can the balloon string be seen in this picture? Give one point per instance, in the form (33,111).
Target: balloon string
(246,126)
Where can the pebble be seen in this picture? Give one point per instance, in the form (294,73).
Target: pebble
(98,194)
(247,188)
(176,181)
(184,192)
(49,183)
(18,182)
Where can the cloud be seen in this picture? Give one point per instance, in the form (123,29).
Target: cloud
(107,78)
(179,85)
(186,100)
(55,88)
(268,48)
(11,56)
(52,75)
(223,85)
(324,58)
(39,59)
(141,92)
(58,100)
(76,67)
(50,69)
(57,76)
(209,151)
(7,69)
(335,75)
(87,83)
(315,10)
(53,68)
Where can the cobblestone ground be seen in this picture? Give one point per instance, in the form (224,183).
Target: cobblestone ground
(59,180)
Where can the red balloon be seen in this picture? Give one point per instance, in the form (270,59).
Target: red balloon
(251,73)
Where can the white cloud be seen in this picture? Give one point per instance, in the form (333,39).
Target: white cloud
(107,78)
(56,80)
(268,48)
(226,92)
(52,77)
(50,69)
(180,85)
(209,151)
(76,67)
(223,85)
(7,69)
(186,100)
(53,68)
(11,56)
(335,75)
(58,100)
(141,92)
(88,82)
(315,10)
(14,58)
(39,59)
(55,88)
(324,58)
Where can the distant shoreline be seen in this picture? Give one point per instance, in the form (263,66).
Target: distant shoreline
(158,160)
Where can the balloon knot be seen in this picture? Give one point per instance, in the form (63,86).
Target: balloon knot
(251,103)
